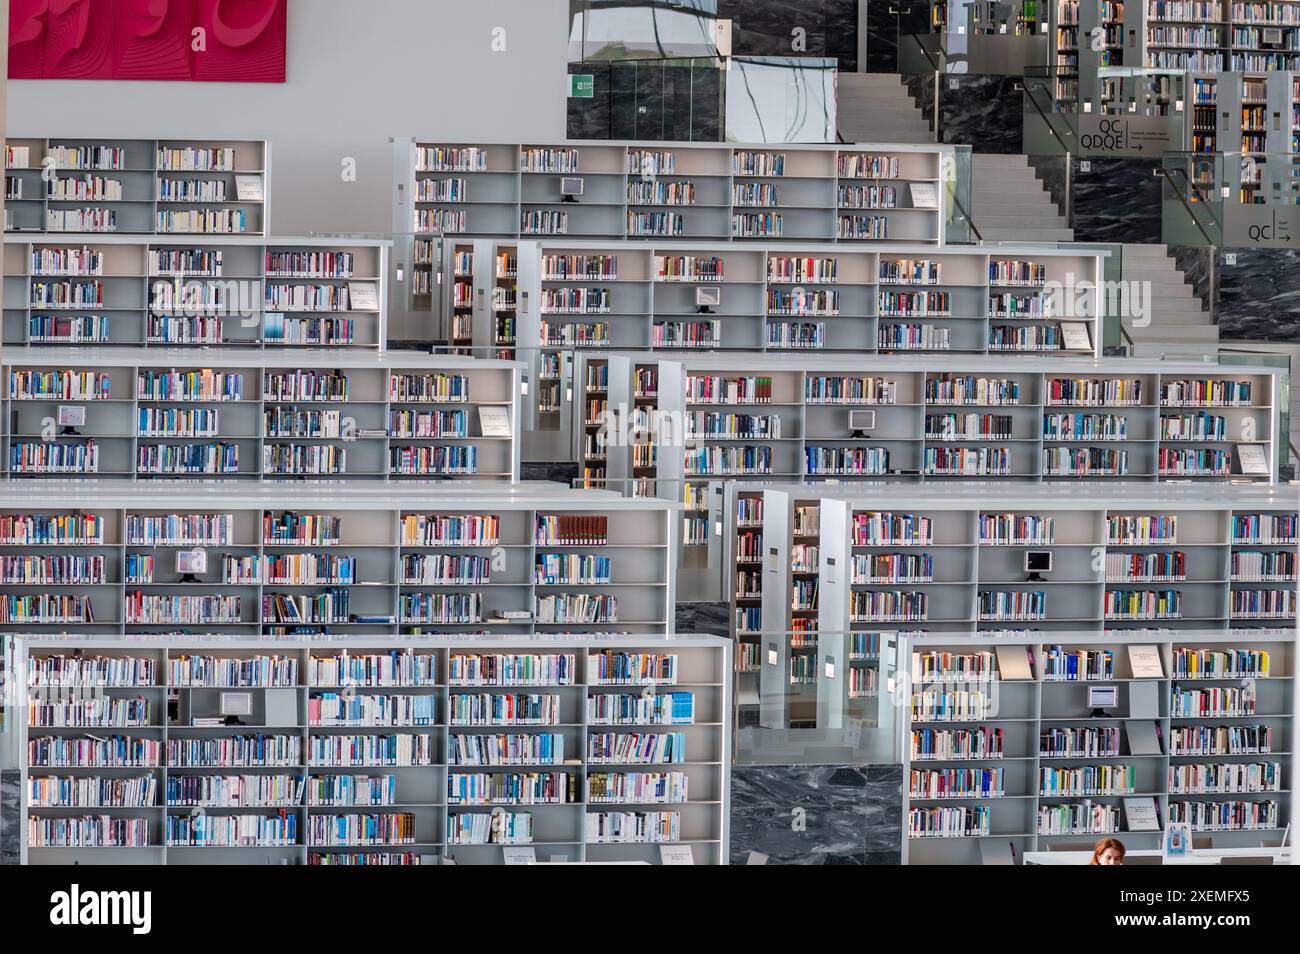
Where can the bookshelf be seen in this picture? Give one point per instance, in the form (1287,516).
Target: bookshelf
(1110,571)
(657,191)
(1214,36)
(535,559)
(363,752)
(168,413)
(787,301)
(1004,755)
(167,292)
(1125,564)
(1079,83)
(137,186)
(721,419)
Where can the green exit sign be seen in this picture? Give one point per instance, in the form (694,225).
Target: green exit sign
(582,86)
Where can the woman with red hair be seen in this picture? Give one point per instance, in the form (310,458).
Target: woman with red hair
(1108,851)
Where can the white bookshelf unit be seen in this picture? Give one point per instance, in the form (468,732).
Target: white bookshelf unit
(91,184)
(685,428)
(353,559)
(1031,420)
(359,751)
(875,565)
(791,300)
(1004,754)
(849,194)
(180,413)
(203,291)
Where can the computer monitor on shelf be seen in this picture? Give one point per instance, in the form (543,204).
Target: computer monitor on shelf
(861,423)
(571,187)
(706,299)
(1101,698)
(71,416)
(1037,562)
(189,563)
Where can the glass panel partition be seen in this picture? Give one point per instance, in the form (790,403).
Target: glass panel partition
(780,99)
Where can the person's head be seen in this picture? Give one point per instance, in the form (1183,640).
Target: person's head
(1108,851)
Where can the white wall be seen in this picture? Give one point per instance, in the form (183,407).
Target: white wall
(359,72)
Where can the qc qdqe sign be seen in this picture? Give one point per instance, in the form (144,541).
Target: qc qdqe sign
(1123,135)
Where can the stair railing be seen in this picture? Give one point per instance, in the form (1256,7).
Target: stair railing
(1027,87)
(936,70)
(1187,203)
(979,237)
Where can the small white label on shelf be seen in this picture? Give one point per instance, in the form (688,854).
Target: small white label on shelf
(1253,459)
(249,188)
(676,855)
(364,296)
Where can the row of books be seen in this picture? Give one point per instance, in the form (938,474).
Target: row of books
(334,709)
(55,570)
(1255,565)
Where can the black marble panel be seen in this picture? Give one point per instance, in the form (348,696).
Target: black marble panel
(888,25)
(1197,265)
(560,473)
(1050,170)
(590,118)
(711,619)
(1117,200)
(767,28)
(984,112)
(649,109)
(10,818)
(707,106)
(921,89)
(817,815)
(623,99)
(1259,296)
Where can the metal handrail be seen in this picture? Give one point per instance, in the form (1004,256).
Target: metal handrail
(1202,199)
(938,67)
(969,218)
(937,70)
(1123,332)
(1162,171)
(1023,87)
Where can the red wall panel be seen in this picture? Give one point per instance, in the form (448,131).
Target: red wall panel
(228,41)
(245,41)
(27,38)
(152,38)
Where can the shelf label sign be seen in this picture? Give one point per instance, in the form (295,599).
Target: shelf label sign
(1266,226)
(1123,135)
(582,86)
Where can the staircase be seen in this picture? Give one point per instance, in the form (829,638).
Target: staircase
(1180,325)
(1010,204)
(876,107)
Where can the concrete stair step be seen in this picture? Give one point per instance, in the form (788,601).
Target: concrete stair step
(1016,221)
(1190,319)
(1025,235)
(992,159)
(1184,333)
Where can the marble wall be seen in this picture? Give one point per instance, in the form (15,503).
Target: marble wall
(1197,263)
(648,100)
(1050,170)
(559,473)
(1117,200)
(981,111)
(10,820)
(767,28)
(817,814)
(712,619)
(1258,297)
